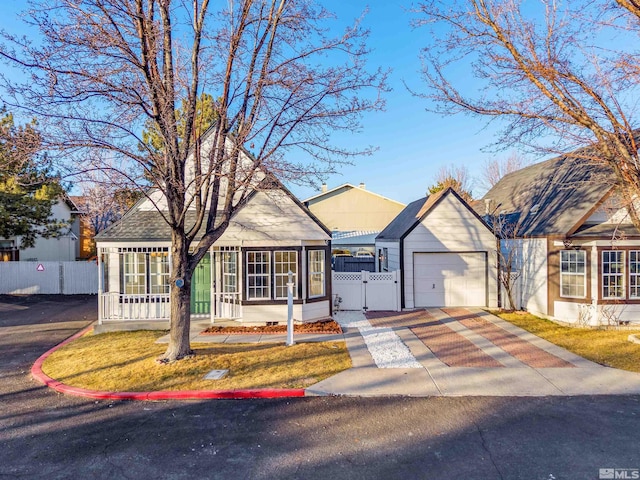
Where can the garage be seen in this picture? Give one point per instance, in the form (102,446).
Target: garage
(445,252)
(444,279)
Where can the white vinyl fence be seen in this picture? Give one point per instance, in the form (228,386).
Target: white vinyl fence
(516,289)
(366,290)
(67,278)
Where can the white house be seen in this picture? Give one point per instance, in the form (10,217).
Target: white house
(445,252)
(243,276)
(64,247)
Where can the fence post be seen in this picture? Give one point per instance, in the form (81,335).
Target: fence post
(396,283)
(363,294)
(61,277)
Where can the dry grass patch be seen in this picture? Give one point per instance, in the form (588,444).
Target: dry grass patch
(606,347)
(125,362)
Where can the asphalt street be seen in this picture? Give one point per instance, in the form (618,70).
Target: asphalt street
(47,435)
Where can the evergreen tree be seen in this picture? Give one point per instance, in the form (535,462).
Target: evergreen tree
(27,188)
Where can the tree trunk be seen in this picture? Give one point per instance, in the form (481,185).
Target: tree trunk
(180,297)
(509,289)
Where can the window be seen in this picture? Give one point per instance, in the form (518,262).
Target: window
(258,275)
(285,262)
(159,272)
(145,271)
(385,260)
(572,273)
(634,274)
(229,272)
(135,273)
(316,273)
(612,274)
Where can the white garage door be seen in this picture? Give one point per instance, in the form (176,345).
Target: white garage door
(450,279)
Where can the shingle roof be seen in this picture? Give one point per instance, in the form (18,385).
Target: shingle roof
(140,225)
(608,230)
(269,216)
(405,220)
(551,197)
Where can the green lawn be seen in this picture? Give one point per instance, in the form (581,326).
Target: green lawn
(125,361)
(606,347)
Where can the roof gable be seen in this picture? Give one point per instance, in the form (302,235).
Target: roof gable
(269,215)
(344,188)
(417,211)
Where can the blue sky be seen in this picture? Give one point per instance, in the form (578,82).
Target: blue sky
(413,144)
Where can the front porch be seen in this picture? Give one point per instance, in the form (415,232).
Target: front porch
(134,285)
(231,283)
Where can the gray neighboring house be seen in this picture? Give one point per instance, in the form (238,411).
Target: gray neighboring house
(445,251)
(578,254)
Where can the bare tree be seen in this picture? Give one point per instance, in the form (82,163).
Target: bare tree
(456,177)
(550,71)
(105,70)
(496,168)
(509,254)
(104,202)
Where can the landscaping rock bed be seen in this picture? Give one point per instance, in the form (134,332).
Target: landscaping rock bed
(322,326)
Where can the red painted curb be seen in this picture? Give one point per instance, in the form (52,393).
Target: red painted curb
(39,375)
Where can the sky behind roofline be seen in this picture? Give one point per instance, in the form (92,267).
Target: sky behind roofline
(413,144)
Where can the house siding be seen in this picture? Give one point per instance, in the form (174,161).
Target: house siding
(64,248)
(272,218)
(450,227)
(278,313)
(534,276)
(393,252)
(354,208)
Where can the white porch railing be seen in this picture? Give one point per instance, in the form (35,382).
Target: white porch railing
(117,306)
(227,306)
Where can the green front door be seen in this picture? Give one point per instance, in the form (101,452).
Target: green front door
(201,287)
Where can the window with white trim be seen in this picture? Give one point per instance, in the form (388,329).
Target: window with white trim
(159,272)
(634,274)
(612,274)
(134,273)
(285,261)
(258,275)
(145,270)
(316,273)
(230,272)
(573,279)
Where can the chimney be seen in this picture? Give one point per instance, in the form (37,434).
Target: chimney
(487,206)
(323,188)
(362,185)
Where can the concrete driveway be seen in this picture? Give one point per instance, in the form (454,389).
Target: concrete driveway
(461,352)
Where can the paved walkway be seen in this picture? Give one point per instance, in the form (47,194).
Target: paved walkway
(467,352)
